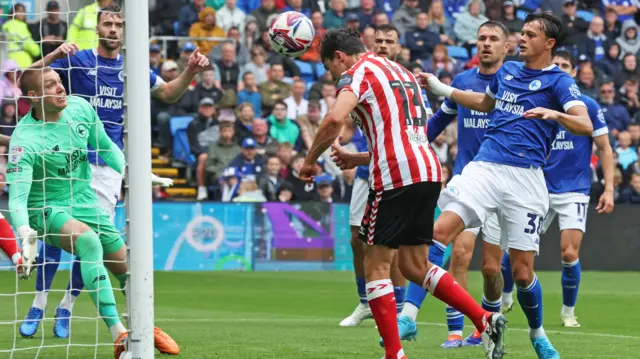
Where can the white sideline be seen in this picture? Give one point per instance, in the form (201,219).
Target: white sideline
(326,320)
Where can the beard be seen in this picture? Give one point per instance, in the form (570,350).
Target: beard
(108,43)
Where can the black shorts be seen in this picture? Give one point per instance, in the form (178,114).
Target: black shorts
(401,216)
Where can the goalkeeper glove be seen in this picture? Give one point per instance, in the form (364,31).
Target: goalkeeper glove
(29,250)
(162,181)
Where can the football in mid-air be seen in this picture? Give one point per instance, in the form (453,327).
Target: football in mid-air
(291,34)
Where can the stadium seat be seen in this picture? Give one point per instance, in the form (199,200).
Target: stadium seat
(457,52)
(585,15)
(181,147)
(306,70)
(520,14)
(474,51)
(320,70)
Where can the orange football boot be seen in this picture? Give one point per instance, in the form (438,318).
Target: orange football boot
(164,343)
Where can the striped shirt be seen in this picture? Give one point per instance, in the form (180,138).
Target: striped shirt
(392,115)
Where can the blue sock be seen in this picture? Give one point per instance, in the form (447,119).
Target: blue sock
(455,321)
(530,299)
(48,262)
(362,290)
(415,292)
(399,293)
(507,276)
(571,273)
(75,284)
(489,306)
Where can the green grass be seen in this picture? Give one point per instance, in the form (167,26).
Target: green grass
(295,315)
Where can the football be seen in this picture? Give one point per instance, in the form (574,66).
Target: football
(291,34)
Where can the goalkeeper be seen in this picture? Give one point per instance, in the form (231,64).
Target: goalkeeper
(49,186)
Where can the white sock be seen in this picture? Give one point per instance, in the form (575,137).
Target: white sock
(409,310)
(68,301)
(537,333)
(40,301)
(567,311)
(116,329)
(507,297)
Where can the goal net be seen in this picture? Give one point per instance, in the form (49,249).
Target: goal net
(33,311)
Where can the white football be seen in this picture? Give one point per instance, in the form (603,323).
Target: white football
(291,34)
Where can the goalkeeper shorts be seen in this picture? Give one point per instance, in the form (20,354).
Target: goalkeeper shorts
(49,222)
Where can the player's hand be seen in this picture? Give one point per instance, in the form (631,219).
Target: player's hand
(431,83)
(65,50)
(197,62)
(423,80)
(541,113)
(605,204)
(29,250)
(342,157)
(161,181)
(307,172)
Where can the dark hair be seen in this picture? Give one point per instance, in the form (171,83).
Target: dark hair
(15,7)
(276,64)
(233,28)
(280,102)
(389,28)
(110,10)
(344,40)
(245,74)
(567,56)
(276,157)
(227,124)
(314,103)
(496,25)
(31,78)
(550,25)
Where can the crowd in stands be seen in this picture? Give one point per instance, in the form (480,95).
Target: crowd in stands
(255,112)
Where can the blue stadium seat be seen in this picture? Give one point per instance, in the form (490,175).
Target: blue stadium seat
(320,70)
(181,147)
(521,14)
(474,51)
(457,52)
(306,70)
(585,15)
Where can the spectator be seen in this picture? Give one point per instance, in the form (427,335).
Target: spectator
(220,153)
(586,80)
(624,8)
(596,40)
(380,19)
(202,132)
(264,13)
(9,81)
(299,187)
(352,21)
(258,65)
(244,123)
(634,131)
(421,40)
(313,54)
(285,192)
(187,49)
(631,194)
(82,30)
(51,31)
(440,62)
(188,16)
(513,54)
(325,189)
(270,180)
(629,69)
(266,145)
(328,97)
(368,38)
(242,53)
(249,191)
(613,27)
(290,67)
(275,89)
(615,115)
(250,94)
(439,23)
(343,186)
(404,18)
(296,5)
(207,87)
(310,122)
(229,184)
(251,33)
(296,104)
(509,18)
(155,58)
(206,27)
(164,16)
(574,25)
(229,69)
(334,17)
(9,118)
(230,16)
(366,12)
(629,41)
(388,7)
(446,175)
(282,128)
(468,23)
(22,49)
(628,95)
(248,162)
(610,65)
(626,154)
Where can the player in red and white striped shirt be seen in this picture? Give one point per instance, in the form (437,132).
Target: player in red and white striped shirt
(404,180)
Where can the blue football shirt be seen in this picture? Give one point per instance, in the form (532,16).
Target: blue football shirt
(512,139)
(360,141)
(568,168)
(100,81)
(472,124)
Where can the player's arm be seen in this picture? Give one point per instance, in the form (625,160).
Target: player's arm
(171,92)
(576,120)
(606,202)
(98,139)
(482,102)
(61,53)
(348,130)
(19,179)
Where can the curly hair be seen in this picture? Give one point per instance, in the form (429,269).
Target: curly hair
(344,40)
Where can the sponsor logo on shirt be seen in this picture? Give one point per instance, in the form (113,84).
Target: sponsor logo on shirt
(92,72)
(574,91)
(16,154)
(534,85)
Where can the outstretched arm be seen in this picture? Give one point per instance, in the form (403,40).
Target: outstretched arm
(473,100)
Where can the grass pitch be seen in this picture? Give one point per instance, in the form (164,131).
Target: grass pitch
(285,315)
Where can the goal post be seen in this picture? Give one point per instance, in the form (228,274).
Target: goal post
(138,180)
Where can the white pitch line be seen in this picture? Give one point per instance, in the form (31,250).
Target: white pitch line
(326,320)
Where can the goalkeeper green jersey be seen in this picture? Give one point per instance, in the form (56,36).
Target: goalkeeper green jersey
(48,163)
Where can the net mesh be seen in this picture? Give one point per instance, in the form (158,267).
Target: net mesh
(89,336)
